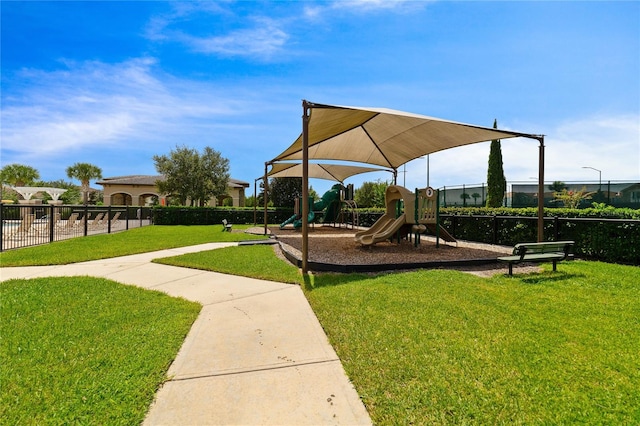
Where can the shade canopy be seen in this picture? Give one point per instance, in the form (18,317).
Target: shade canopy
(383,137)
(333,172)
(386,138)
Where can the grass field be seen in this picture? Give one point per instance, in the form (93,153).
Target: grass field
(446,347)
(85,350)
(133,241)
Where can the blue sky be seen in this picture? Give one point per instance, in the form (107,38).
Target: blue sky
(114,83)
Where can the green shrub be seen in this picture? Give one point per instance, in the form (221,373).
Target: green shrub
(214,215)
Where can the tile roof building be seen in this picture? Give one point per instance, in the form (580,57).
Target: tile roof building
(141,190)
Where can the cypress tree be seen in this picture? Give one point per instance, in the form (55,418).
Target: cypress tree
(496,182)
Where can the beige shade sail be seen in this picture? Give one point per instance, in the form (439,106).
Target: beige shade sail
(383,137)
(386,138)
(333,172)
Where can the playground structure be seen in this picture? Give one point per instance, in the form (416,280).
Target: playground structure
(334,205)
(419,214)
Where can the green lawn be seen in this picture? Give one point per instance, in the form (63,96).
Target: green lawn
(434,347)
(85,350)
(445,347)
(255,261)
(133,241)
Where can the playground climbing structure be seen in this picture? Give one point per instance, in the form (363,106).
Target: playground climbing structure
(334,208)
(419,211)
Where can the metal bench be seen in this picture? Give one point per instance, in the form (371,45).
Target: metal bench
(554,251)
(226,226)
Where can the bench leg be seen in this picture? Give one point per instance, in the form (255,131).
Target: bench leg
(510,269)
(554,266)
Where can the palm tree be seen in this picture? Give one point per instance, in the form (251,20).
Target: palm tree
(557,186)
(464,197)
(84,172)
(18,175)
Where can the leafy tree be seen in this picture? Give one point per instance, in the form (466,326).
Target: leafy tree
(371,194)
(572,199)
(214,170)
(72,194)
(284,191)
(557,186)
(18,175)
(475,197)
(84,172)
(260,198)
(313,194)
(250,201)
(496,182)
(189,175)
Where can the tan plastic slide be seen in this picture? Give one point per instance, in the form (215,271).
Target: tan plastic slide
(388,224)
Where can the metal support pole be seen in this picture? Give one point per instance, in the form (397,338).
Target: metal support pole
(541,191)
(255,201)
(306,107)
(266,192)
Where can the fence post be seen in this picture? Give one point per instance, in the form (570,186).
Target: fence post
(1,226)
(556,228)
(52,221)
(86,220)
(108,219)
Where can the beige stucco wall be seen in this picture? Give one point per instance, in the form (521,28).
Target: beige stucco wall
(134,192)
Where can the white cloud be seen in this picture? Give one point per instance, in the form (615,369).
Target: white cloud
(610,144)
(370,5)
(264,40)
(92,105)
(261,39)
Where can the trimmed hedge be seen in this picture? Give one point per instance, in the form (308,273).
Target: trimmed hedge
(606,212)
(607,234)
(214,215)
(610,235)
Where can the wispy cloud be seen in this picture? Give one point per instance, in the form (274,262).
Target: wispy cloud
(608,143)
(257,37)
(265,39)
(93,105)
(322,10)
(371,5)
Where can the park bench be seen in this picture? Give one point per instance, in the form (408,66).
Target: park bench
(226,226)
(553,251)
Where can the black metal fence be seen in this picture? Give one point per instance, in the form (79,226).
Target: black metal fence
(525,194)
(26,225)
(609,240)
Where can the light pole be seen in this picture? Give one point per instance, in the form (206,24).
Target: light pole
(404,174)
(599,176)
(427,170)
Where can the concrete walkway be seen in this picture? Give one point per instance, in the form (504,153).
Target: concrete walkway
(256,354)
